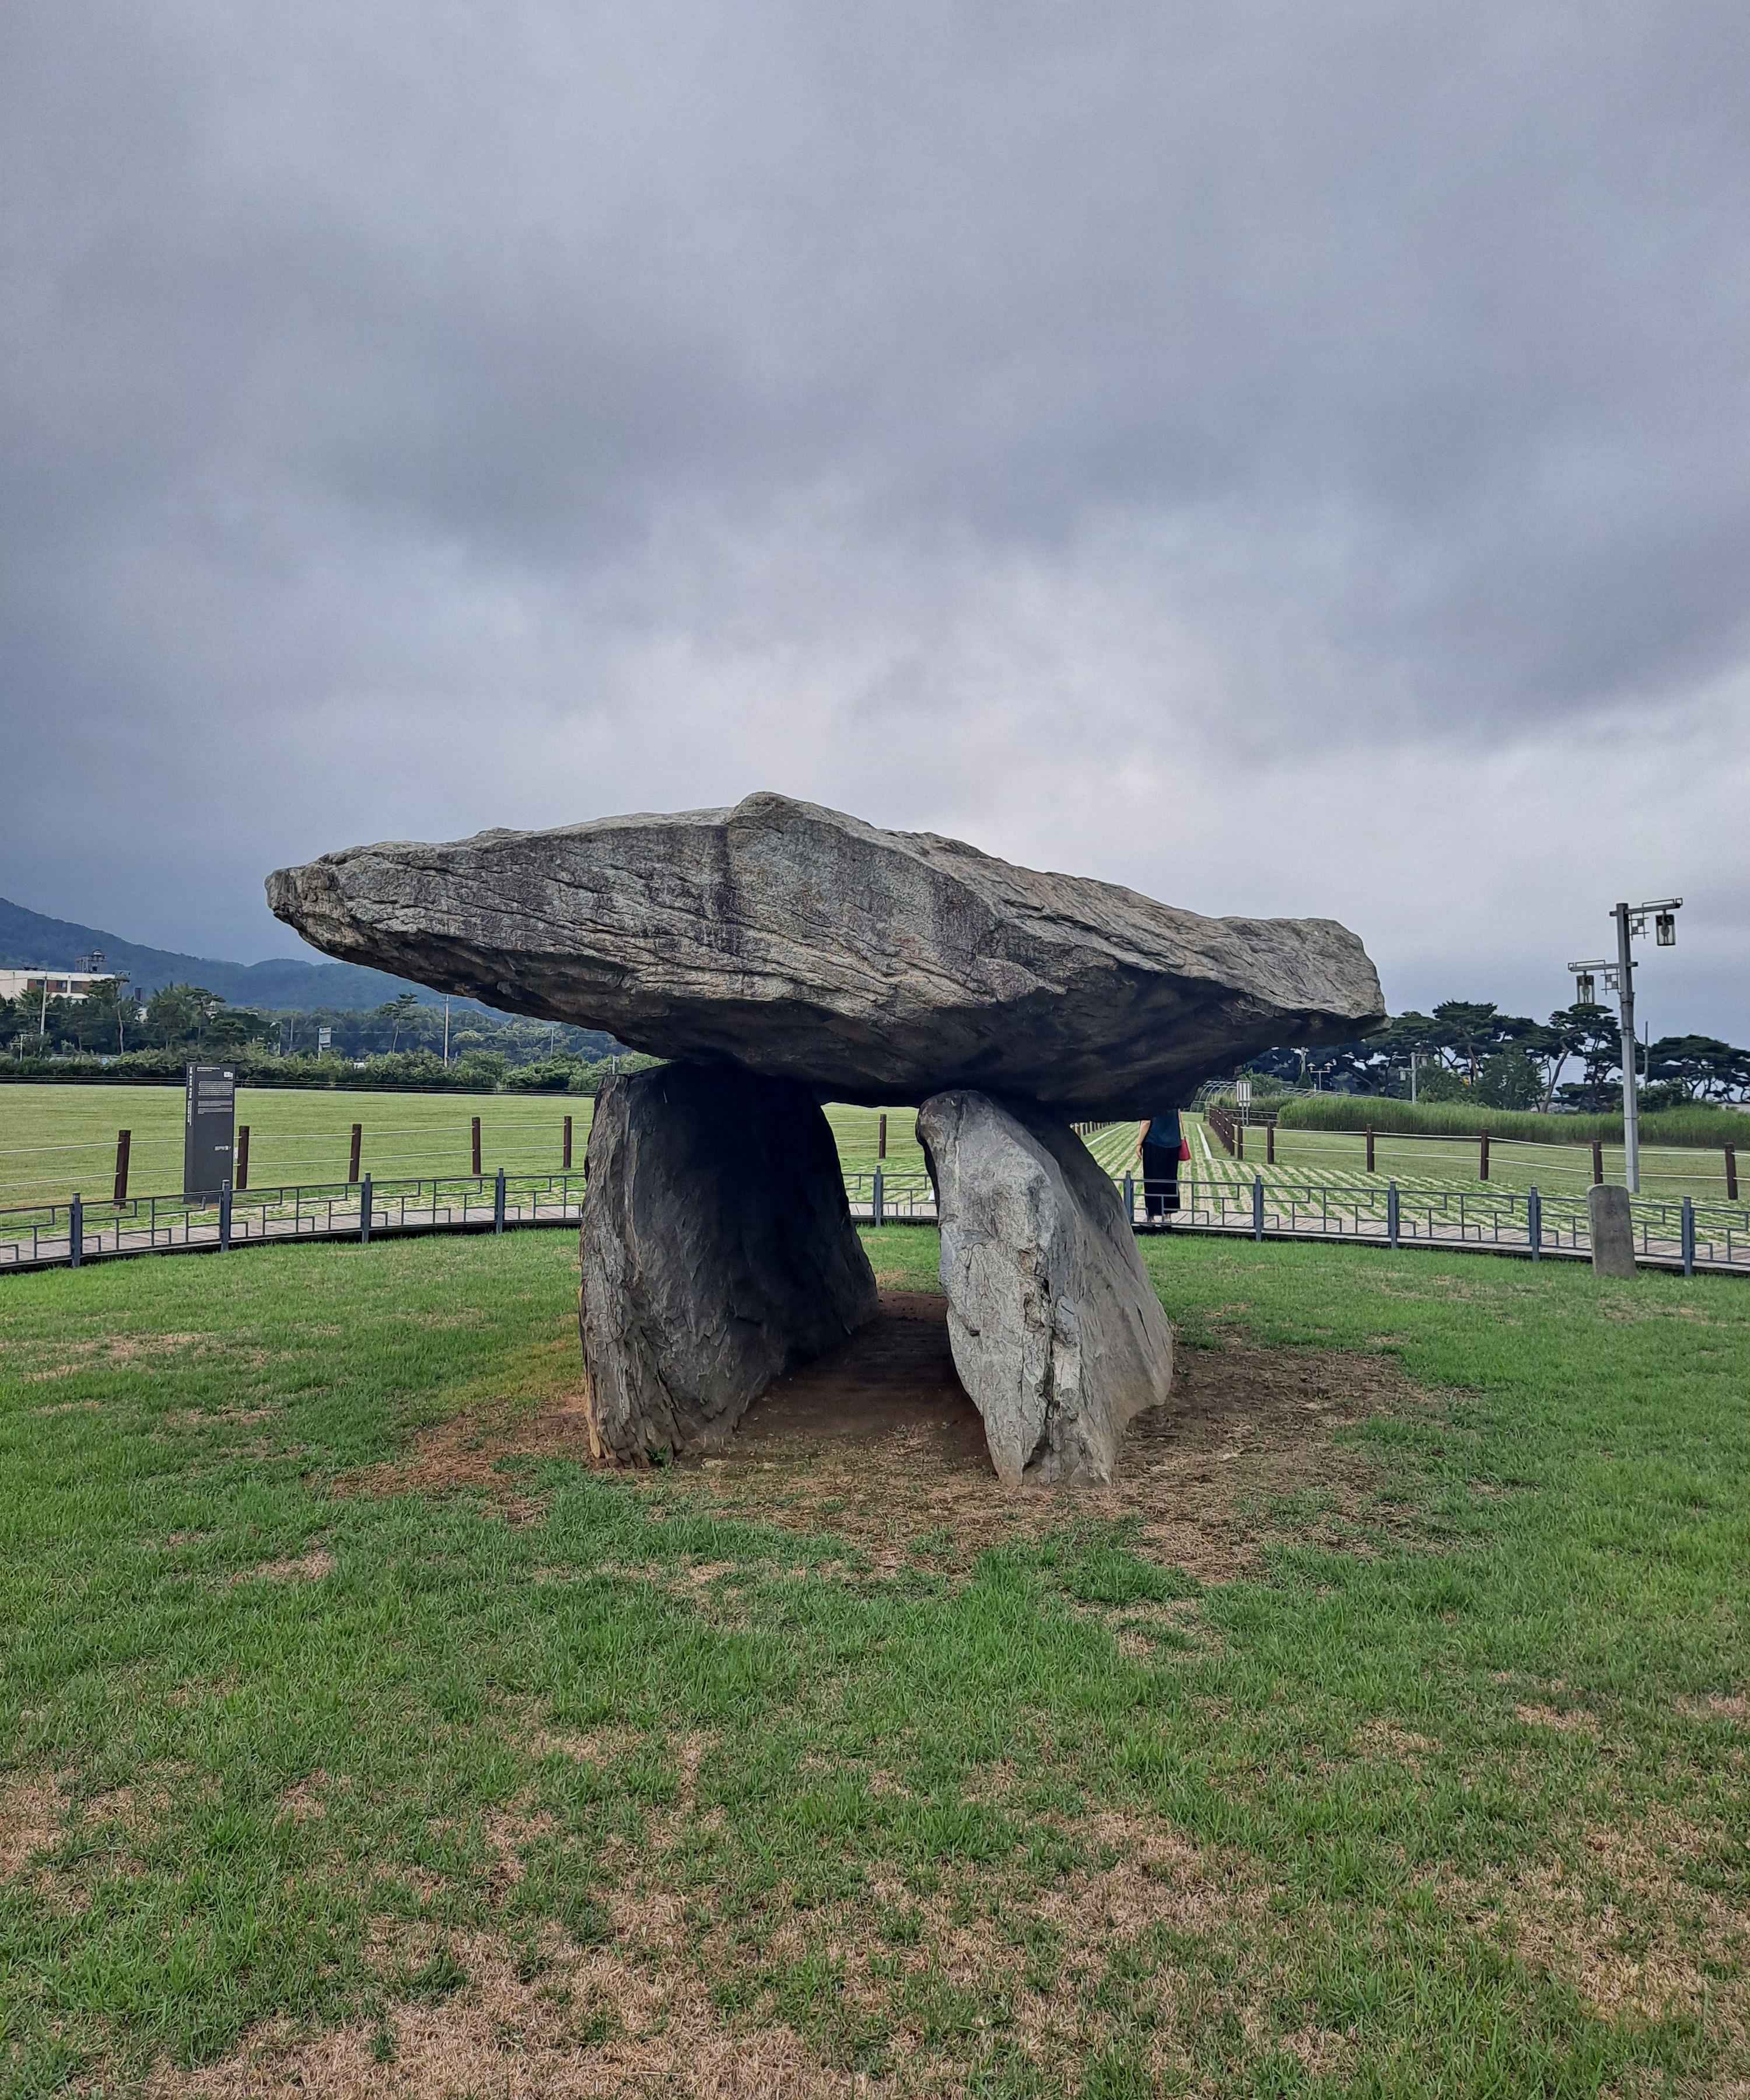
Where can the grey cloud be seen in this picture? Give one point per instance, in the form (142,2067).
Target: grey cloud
(411,411)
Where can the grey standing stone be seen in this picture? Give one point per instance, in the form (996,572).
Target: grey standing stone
(1056,1331)
(879,967)
(1612,1225)
(717,1252)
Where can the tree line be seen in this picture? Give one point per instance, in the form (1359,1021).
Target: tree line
(402,1042)
(1465,1050)
(1468,1050)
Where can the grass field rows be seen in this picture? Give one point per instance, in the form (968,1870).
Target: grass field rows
(1436,1163)
(55,1139)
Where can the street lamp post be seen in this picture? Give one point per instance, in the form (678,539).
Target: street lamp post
(1618,978)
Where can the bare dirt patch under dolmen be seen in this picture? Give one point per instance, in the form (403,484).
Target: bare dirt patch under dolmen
(878,1442)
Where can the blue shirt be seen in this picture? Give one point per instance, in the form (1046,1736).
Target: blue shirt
(1164,1133)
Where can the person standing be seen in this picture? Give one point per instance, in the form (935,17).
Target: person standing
(1163,1147)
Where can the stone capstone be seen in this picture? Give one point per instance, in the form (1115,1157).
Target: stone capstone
(717,1252)
(1056,1331)
(872,966)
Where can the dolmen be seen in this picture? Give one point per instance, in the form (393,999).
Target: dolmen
(780,955)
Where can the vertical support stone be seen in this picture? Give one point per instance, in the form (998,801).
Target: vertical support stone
(717,1252)
(1056,1331)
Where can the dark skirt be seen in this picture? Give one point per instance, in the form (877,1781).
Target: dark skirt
(1159,1180)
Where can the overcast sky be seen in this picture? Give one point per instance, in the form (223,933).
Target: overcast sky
(1285,458)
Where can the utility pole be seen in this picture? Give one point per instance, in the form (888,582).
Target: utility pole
(446,1032)
(1618,978)
(1631,1090)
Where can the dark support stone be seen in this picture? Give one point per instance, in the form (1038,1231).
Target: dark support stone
(717,1252)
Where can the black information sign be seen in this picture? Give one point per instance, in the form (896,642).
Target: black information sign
(208,1129)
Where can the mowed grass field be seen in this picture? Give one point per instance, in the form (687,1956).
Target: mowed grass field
(1329,1155)
(1384,1733)
(57,1139)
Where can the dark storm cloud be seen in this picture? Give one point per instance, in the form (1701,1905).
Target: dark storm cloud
(420,416)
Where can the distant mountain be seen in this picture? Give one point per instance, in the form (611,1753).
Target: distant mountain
(29,940)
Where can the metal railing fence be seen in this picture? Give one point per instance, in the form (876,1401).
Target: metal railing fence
(69,1234)
(1686,1233)
(1699,1170)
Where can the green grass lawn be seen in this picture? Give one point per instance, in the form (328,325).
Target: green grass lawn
(857,1132)
(1386,1735)
(1558,1169)
(55,1140)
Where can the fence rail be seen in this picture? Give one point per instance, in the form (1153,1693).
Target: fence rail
(1261,1137)
(51,1235)
(1684,1234)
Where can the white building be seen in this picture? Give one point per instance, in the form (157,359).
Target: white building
(62,984)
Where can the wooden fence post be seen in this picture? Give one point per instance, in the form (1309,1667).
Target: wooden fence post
(1731,1172)
(475,1169)
(243,1156)
(1369,1151)
(1238,1146)
(1270,1145)
(881,1140)
(125,1145)
(1482,1157)
(566,1160)
(1598,1162)
(358,1147)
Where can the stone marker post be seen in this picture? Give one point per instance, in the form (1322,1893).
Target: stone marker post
(1612,1225)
